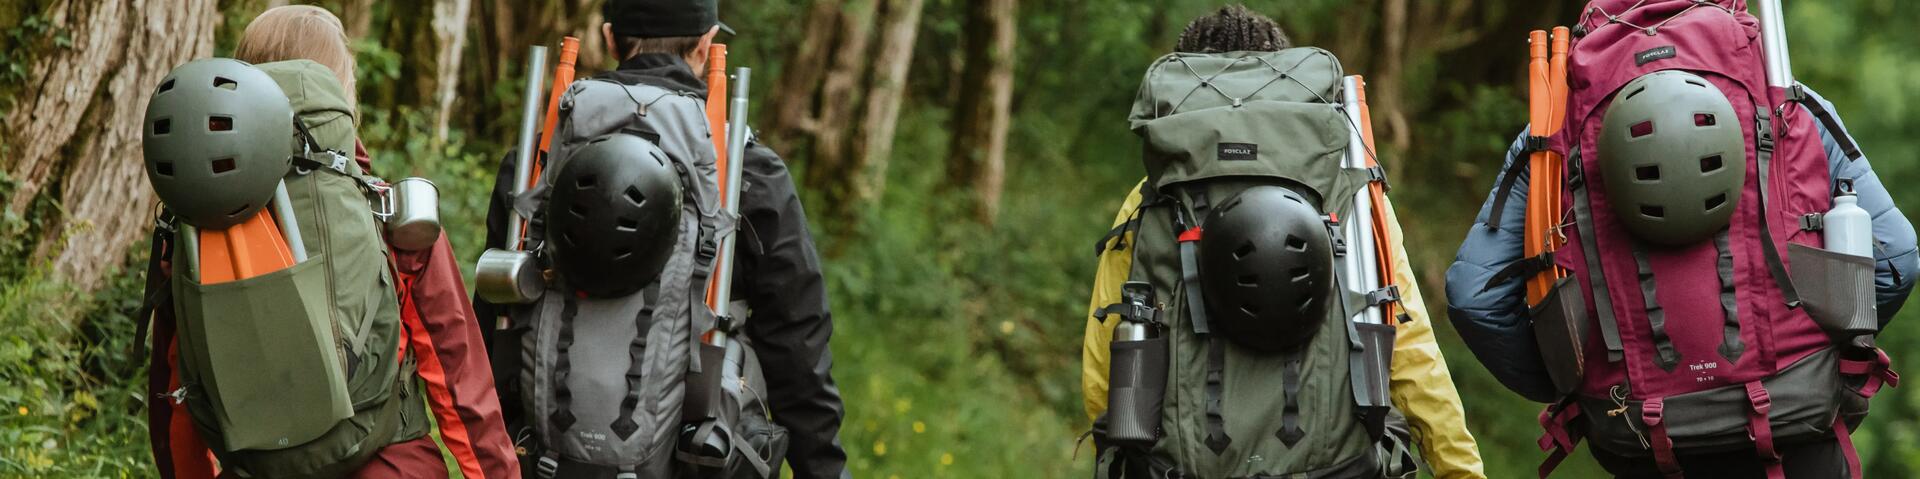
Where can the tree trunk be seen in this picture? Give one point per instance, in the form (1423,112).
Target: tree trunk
(839,94)
(799,80)
(899,24)
(74,134)
(450,40)
(977,157)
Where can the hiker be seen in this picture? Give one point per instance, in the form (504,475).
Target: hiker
(432,321)
(641,128)
(1680,332)
(1291,408)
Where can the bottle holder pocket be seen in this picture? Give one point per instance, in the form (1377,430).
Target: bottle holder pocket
(1836,289)
(262,352)
(1560,329)
(1139,385)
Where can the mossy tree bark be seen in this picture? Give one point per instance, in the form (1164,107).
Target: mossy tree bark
(74,134)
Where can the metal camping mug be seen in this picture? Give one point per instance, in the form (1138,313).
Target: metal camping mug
(415,224)
(508,277)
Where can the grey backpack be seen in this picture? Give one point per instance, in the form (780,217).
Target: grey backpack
(623,387)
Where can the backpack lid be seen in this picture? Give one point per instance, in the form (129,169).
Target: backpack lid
(1244,114)
(318,99)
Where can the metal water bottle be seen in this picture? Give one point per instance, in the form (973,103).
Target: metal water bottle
(1848,228)
(1137,374)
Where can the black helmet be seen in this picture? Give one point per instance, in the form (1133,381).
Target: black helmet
(1266,263)
(216,141)
(1673,157)
(614,215)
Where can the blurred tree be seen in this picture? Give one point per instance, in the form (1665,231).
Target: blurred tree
(74,133)
(430,38)
(977,153)
(841,92)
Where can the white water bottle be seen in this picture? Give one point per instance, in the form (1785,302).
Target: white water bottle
(1847,228)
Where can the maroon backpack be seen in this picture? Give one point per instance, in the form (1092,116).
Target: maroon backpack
(1705,347)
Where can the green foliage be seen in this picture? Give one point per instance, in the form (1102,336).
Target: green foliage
(72,391)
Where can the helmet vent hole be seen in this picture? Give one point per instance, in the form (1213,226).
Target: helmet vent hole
(1642,129)
(634,196)
(1296,244)
(628,225)
(1306,306)
(1711,164)
(223,165)
(567,238)
(1696,82)
(163,168)
(622,252)
(236,211)
(1652,211)
(1250,280)
(162,126)
(1716,201)
(1244,250)
(1635,93)
(1301,274)
(1250,309)
(586,182)
(225,83)
(578,210)
(1704,119)
(219,123)
(164,87)
(1647,173)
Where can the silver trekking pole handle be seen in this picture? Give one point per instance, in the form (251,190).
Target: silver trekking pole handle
(1773,40)
(289,226)
(737,158)
(529,131)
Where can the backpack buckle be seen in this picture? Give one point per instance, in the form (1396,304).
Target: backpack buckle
(1813,222)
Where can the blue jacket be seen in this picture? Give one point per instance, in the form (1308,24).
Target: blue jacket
(1493,321)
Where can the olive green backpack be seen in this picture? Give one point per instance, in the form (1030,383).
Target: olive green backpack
(1214,125)
(301,372)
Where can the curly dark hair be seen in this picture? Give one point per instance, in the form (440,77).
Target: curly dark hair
(1231,29)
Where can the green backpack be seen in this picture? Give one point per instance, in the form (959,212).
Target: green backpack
(1213,126)
(301,372)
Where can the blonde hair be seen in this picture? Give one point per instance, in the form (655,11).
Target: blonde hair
(296,32)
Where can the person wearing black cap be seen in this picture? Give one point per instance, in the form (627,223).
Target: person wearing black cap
(661,43)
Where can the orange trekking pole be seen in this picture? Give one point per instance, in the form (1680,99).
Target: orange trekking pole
(1556,118)
(1539,112)
(1383,245)
(562,77)
(716,76)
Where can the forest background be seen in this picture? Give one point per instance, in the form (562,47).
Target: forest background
(958,159)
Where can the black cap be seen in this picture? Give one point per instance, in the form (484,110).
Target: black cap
(663,18)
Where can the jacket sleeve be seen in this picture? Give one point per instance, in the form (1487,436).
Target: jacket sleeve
(453,362)
(1115,264)
(1420,385)
(778,273)
(1492,319)
(1894,254)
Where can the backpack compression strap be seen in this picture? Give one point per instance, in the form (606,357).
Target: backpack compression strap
(1189,233)
(1798,94)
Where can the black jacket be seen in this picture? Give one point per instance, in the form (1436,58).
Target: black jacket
(777,273)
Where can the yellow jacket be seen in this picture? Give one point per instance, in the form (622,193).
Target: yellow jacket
(1421,387)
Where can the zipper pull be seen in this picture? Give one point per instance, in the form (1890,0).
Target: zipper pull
(1619,396)
(178,396)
